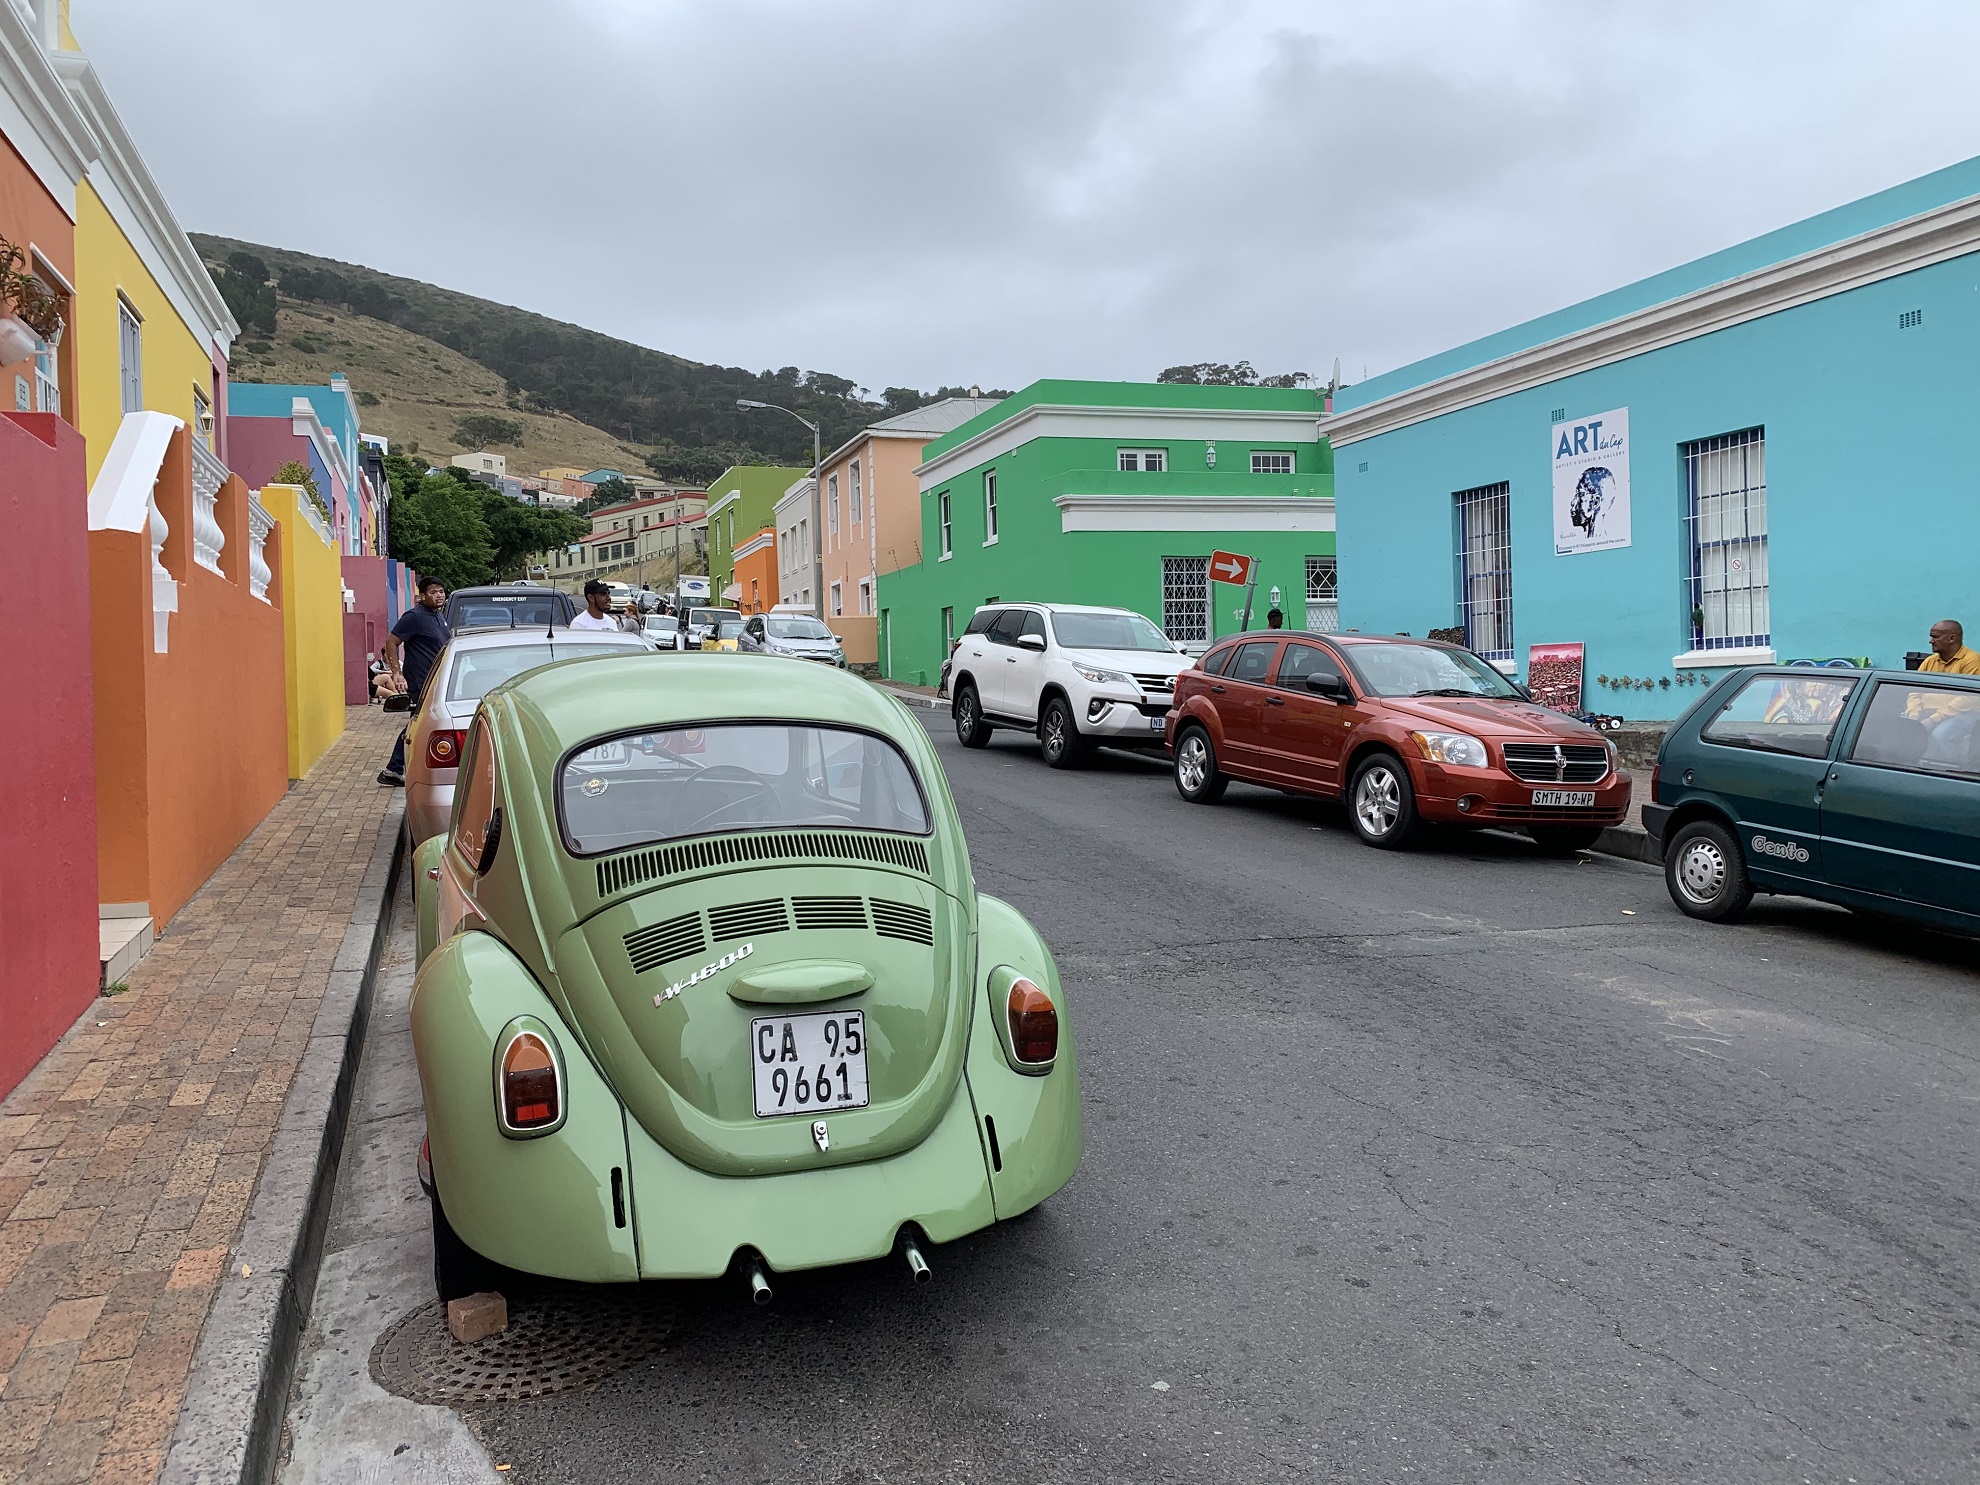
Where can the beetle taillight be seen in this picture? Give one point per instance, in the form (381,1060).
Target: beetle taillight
(1034,1023)
(443,749)
(529,1083)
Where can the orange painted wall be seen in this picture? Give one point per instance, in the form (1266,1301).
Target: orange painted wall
(30,218)
(756,575)
(192,745)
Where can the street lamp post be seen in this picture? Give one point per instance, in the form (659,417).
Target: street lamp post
(817,526)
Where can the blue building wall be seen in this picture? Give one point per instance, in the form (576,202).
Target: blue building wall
(1873,502)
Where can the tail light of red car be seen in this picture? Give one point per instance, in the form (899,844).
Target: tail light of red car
(443,749)
(529,1083)
(1034,1024)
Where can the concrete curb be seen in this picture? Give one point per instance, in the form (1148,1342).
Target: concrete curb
(230,1426)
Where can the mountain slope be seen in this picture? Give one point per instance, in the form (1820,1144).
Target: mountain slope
(429,353)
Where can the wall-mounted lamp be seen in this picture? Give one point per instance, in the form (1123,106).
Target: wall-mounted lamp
(1210,455)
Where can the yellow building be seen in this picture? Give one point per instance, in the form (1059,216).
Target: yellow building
(312,625)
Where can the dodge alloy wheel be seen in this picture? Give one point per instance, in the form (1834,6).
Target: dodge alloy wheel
(1198,778)
(1382,804)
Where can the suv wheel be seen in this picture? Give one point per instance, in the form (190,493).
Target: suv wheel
(1706,874)
(1198,779)
(971,730)
(1058,735)
(1382,803)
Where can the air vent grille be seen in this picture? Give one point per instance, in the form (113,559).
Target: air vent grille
(1911,319)
(903,920)
(655,863)
(649,948)
(829,912)
(741,919)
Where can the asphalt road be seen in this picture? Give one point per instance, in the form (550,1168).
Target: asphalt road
(1461,1164)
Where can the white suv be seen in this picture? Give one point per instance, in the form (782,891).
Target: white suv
(1078,677)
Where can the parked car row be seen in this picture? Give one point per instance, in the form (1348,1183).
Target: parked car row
(1858,787)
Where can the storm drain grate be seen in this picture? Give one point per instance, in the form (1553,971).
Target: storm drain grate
(556,1341)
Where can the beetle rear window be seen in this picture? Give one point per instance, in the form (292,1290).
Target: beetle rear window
(688,781)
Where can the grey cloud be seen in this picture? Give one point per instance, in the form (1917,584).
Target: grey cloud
(926,192)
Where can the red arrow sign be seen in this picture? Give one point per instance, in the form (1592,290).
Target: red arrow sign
(1228,567)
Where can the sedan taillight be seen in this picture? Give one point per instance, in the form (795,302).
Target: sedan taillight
(1034,1023)
(530,1095)
(443,749)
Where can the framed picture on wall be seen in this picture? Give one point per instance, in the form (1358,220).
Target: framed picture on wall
(1553,675)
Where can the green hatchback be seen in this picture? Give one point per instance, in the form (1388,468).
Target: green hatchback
(706,985)
(1859,787)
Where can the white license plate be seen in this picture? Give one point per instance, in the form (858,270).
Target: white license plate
(1573,799)
(1157,724)
(808,1064)
(605,755)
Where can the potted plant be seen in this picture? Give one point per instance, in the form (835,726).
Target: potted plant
(29,311)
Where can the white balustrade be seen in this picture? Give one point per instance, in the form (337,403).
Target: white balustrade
(209,474)
(260,523)
(164,587)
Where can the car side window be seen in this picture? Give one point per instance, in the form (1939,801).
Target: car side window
(1303,661)
(1034,623)
(1928,729)
(982,620)
(1782,714)
(1253,662)
(1214,662)
(475,804)
(1005,630)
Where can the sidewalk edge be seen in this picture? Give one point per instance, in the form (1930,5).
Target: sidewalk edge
(1629,843)
(230,1426)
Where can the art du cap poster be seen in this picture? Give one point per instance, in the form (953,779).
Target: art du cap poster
(1591,483)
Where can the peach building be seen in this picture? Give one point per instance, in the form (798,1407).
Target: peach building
(871,514)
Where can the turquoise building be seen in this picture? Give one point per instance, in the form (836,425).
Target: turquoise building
(1753,457)
(1116,493)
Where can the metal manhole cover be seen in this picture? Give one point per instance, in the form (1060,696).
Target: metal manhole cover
(555,1341)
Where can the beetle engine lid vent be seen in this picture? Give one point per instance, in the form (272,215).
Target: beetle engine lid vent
(655,863)
(829,912)
(741,919)
(903,920)
(662,943)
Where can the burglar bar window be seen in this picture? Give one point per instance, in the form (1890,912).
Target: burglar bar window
(1484,569)
(1271,463)
(1726,520)
(1186,599)
(1323,596)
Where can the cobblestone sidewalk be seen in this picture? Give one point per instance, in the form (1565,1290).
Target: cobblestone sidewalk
(129,1155)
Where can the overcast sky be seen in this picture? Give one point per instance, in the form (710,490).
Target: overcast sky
(929,191)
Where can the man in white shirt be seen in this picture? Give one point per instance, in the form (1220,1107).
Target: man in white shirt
(598,608)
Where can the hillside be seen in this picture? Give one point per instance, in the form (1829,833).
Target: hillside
(430,354)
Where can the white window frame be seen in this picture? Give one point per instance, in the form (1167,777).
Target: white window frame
(1141,461)
(1323,595)
(832,502)
(1726,540)
(866,597)
(838,600)
(857,503)
(130,356)
(1259,455)
(990,507)
(944,525)
(1483,520)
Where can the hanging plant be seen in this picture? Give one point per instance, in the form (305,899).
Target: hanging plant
(26,298)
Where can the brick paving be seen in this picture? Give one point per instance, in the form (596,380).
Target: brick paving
(129,1155)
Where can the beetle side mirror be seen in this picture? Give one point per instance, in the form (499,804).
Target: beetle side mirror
(1034,642)
(1330,686)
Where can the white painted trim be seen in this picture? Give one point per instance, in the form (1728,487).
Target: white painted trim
(755,544)
(306,424)
(1195,512)
(124,184)
(120,499)
(724,503)
(1705,659)
(1130,426)
(1934,236)
(36,115)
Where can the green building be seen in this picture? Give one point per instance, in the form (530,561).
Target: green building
(742,501)
(1117,493)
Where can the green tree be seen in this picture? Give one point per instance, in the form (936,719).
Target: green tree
(517,532)
(437,523)
(480,430)
(612,492)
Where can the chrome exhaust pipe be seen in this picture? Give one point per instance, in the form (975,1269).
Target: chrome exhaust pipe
(759,1282)
(917,1265)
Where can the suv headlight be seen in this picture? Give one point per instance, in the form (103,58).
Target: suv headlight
(1103,677)
(1457,748)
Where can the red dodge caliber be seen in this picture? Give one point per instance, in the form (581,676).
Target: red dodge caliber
(1401,730)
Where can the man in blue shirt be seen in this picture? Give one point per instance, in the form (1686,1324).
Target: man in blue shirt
(420,634)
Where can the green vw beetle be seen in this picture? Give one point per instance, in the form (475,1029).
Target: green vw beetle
(705,984)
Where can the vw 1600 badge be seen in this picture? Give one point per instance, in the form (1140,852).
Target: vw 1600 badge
(734,956)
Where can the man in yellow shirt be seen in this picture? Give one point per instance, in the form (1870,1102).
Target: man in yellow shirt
(1949,651)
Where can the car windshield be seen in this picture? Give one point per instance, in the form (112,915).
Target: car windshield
(1426,670)
(799,626)
(523,611)
(688,781)
(703,617)
(1108,632)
